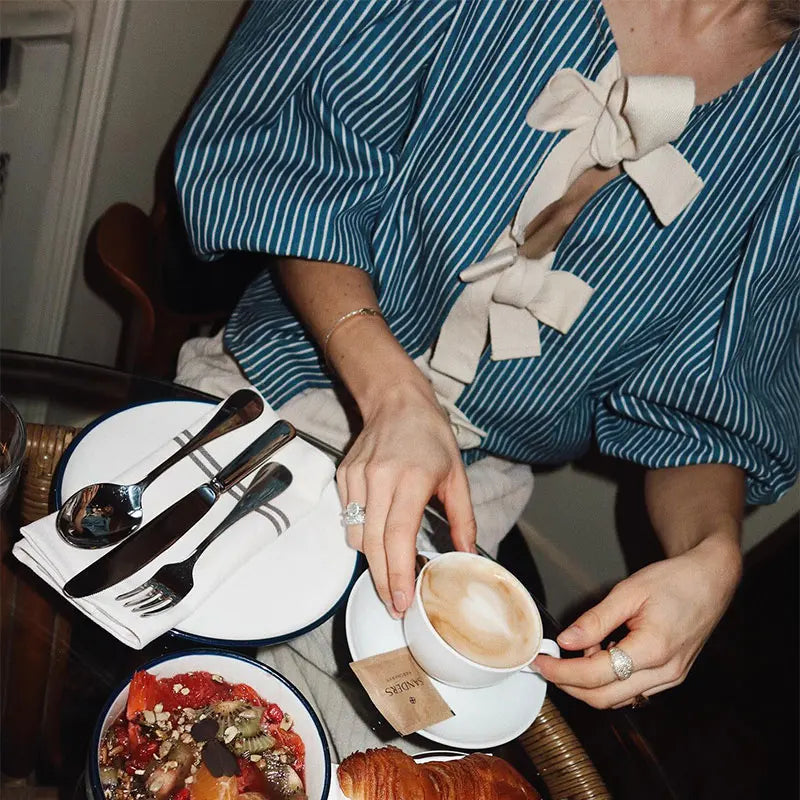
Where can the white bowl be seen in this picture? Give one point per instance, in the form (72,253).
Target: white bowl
(233,668)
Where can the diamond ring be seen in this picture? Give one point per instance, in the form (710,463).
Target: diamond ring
(354,514)
(621,663)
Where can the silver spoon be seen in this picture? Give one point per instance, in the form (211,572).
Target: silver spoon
(103,514)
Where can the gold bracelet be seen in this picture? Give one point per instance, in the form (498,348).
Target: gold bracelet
(359,312)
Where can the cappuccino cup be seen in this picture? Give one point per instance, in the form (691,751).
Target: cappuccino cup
(471,623)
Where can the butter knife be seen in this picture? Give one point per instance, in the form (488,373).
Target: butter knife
(152,539)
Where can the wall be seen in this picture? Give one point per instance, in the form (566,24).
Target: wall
(571,527)
(165,49)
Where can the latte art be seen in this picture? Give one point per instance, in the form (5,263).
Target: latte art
(481,611)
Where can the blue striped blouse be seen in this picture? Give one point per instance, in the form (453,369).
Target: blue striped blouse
(391,136)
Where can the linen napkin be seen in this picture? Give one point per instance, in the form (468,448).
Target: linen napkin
(49,556)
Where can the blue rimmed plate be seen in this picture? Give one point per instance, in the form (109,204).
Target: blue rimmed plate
(288,589)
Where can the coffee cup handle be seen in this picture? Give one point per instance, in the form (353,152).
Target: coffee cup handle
(550,648)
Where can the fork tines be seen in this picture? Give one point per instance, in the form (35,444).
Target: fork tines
(149,598)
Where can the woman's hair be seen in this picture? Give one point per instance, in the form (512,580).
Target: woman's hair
(786,15)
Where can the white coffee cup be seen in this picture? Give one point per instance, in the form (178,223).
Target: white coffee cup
(446,664)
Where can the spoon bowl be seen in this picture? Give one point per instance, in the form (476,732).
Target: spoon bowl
(103,514)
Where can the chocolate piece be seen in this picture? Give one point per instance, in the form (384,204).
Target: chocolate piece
(205,729)
(219,760)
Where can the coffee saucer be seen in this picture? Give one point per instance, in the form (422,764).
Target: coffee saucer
(483,718)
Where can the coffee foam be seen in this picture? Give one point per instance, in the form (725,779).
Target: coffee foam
(481,611)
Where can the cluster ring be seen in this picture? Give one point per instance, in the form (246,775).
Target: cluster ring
(354,514)
(621,663)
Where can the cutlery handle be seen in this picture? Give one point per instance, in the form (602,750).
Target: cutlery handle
(252,457)
(273,479)
(243,406)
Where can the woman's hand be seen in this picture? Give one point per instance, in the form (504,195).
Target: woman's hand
(405,454)
(670,609)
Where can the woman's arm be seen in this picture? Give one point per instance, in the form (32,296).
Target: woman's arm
(698,506)
(406,451)
(671,607)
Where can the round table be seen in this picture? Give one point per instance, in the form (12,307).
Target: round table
(58,667)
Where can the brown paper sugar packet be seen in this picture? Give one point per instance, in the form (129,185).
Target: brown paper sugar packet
(401,691)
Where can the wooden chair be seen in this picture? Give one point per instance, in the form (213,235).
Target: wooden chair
(143,265)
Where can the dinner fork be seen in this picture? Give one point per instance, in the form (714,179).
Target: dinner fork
(173,582)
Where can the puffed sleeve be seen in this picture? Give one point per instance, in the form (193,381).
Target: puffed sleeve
(292,144)
(732,397)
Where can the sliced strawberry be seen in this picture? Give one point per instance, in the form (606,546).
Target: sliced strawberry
(144,692)
(241,691)
(135,737)
(250,778)
(203,690)
(295,744)
(274,713)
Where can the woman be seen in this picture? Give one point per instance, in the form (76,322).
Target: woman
(633,248)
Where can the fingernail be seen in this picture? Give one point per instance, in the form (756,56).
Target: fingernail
(533,668)
(400,601)
(570,636)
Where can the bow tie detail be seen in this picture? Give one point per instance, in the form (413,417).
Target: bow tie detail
(510,294)
(614,120)
(625,120)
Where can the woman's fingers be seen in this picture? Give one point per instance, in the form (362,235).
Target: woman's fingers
(594,669)
(458,507)
(593,626)
(400,538)
(355,491)
(380,488)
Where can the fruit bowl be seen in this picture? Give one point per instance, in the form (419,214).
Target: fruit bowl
(230,670)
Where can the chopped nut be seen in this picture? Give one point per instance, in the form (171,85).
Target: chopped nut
(158,707)
(176,687)
(188,779)
(189,713)
(186,738)
(175,734)
(286,722)
(149,716)
(255,757)
(185,690)
(217,678)
(230,733)
(116,750)
(162,716)
(138,772)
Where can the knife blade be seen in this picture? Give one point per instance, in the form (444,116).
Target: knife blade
(160,533)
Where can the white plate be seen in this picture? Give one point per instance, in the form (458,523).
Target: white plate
(483,717)
(285,591)
(420,758)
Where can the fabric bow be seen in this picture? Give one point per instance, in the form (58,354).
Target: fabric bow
(614,120)
(625,120)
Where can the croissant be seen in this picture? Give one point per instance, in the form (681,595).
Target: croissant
(389,774)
